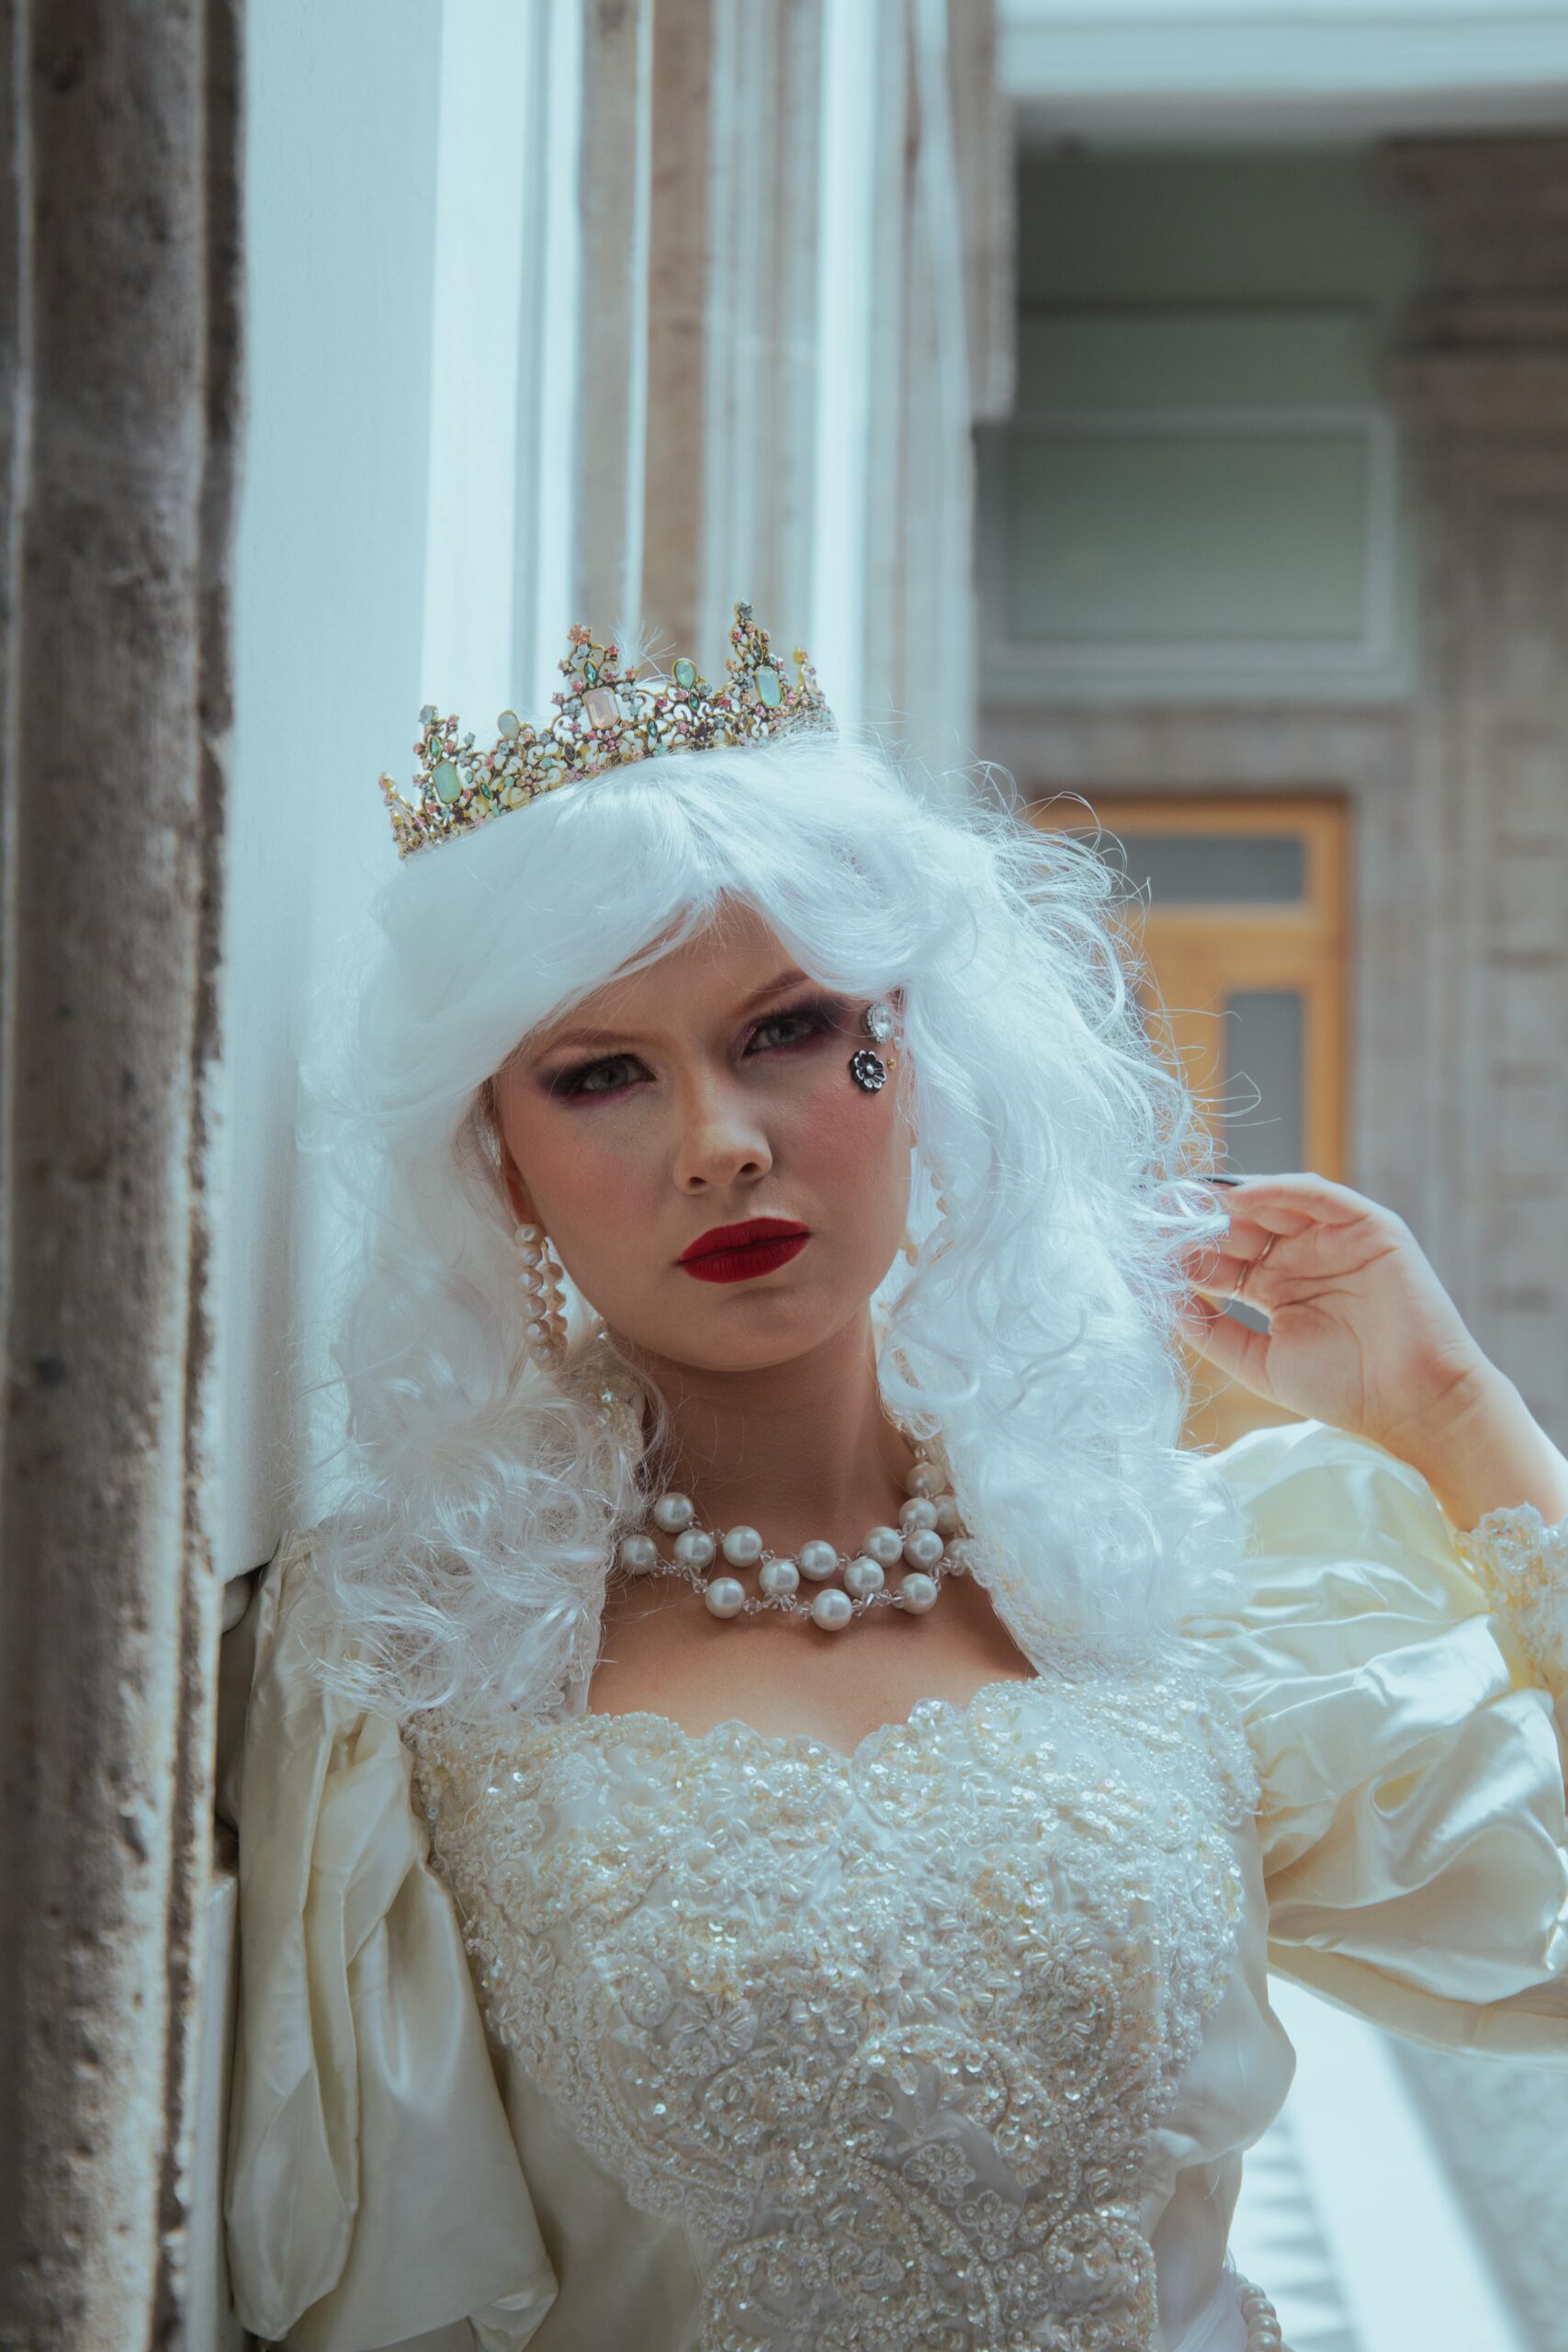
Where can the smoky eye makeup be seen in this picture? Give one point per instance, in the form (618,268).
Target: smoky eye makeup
(606,1076)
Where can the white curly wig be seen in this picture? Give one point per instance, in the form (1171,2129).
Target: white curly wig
(1037,1331)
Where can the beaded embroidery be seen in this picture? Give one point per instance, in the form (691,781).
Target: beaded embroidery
(886,2034)
(1521,1564)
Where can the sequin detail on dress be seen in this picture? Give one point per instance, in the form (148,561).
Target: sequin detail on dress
(1521,1564)
(886,2034)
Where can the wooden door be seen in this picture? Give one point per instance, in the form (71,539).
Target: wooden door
(1243,931)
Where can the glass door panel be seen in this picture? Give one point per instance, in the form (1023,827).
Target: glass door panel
(1242,932)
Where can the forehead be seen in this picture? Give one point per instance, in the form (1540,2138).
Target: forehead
(734,958)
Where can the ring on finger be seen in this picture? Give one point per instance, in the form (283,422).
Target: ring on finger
(1252,1265)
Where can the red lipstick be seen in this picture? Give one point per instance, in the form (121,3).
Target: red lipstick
(737,1253)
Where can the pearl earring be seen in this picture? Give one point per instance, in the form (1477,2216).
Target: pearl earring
(544,1307)
(870,1070)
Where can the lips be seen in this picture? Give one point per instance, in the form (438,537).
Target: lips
(736,1254)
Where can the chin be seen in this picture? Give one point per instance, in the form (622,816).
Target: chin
(756,1334)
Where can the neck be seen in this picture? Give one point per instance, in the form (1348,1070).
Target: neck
(795,1450)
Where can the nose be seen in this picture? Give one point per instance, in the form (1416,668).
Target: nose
(722,1140)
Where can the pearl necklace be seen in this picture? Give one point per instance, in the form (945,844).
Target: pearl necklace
(931,1543)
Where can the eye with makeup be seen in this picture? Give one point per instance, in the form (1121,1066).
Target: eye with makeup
(801,1025)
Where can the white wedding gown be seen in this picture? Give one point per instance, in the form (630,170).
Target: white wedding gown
(952,2045)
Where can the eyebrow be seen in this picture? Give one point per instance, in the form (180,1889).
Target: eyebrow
(788,978)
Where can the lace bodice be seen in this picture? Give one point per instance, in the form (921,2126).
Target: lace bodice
(884,2034)
(956,2042)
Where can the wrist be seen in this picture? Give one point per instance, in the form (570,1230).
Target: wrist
(1483,1449)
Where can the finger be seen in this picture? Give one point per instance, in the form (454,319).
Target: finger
(1287,1204)
(1247,1238)
(1232,1348)
(1222,1276)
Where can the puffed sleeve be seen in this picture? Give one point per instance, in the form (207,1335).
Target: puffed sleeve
(1398,1681)
(374,2189)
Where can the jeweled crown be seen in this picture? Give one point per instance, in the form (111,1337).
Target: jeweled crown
(607,718)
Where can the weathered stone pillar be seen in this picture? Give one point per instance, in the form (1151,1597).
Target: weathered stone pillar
(610,356)
(702,285)
(1485,391)
(118,243)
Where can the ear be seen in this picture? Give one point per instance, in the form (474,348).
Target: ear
(517,1191)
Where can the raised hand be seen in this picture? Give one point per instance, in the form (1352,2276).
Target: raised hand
(1361,1333)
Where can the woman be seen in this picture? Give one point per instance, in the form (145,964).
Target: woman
(867,1763)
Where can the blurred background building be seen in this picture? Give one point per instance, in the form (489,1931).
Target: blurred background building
(1168,402)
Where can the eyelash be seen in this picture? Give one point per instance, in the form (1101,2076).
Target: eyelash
(569,1084)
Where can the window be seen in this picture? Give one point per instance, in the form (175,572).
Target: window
(1242,929)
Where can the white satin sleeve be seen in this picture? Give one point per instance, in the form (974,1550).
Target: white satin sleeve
(375,2192)
(1402,1686)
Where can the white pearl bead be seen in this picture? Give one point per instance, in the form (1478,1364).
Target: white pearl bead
(923,1547)
(863,1576)
(947,1520)
(961,1556)
(832,1610)
(921,1512)
(741,1546)
(673,1512)
(918,1593)
(779,1577)
(818,1560)
(884,1543)
(639,1554)
(925,1478)
(726,1597)
(694,1547)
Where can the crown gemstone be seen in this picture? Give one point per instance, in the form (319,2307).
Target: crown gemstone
(605,719)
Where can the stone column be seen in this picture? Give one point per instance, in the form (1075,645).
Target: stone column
(1485,391)
(721,249)
(608,353)
(118,242)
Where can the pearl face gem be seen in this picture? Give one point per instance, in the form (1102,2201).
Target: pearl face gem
(831,1609)
(818,1560)
(695,1547)
(673,1512)
(919,1512)
(726,1597)
(925,1479)
(779,1578)
(741,1546)
(863,1576)
(639,1554)
(916,1593)
(923,1547)
(885,1545)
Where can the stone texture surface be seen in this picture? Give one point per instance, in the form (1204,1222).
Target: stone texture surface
(698,470)
(121,257)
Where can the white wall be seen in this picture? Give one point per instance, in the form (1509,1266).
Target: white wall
(410,222)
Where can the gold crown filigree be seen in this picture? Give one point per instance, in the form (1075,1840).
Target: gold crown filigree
(607,717)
